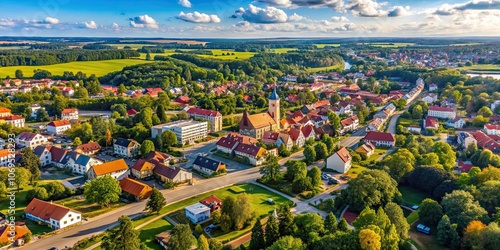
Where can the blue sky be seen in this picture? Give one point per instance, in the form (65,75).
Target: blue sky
(249,18)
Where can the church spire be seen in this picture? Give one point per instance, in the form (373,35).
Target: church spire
(274,95)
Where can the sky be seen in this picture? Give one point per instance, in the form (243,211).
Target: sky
(249,18)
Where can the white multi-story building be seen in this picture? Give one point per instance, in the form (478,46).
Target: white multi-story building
(58,127)
(430,98)
(187,131)
(197,213)
(340,161)
(69,114)
(30,140)
(126,147)
(441,112)
(14,120)
(492,129)
(214,117)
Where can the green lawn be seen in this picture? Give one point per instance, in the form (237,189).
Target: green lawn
(390,45)
(148,232)
(412,217)
(282,50)
(217,54)
(88,209)
(99,68)
(482,67)
(334,67)
(355,170)
(407,122)
(378,153)
(411,195)
(323,45)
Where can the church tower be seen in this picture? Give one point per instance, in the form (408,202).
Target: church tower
(274,107)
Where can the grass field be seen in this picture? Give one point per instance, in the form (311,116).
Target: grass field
(328,68)
(13,47)
(482,67)
(355,170)
(390,45)
(88,209)
(411,195)
(148,232)
(323,45)
(282,50)
(217,54)
(99,68)
(407,122)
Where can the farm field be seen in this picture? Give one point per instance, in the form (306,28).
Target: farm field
(334,67)
(482,67)
(217,54)
(323,45)
(99,68)
(282,50)
(390,45)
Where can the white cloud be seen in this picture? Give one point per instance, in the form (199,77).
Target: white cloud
(295,18)
(366,8)
(51,20)
(474,5)
(334,4)
(90,25)
(143,21)
(399,11)
(197,17)
(185,3)
(339,19)
(254,14)
(115,26)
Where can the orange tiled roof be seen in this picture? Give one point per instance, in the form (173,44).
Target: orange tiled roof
(135,188)
(110,167)
(46,210)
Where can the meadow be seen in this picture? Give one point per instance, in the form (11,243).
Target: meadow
(99,68)
(390,45)
(323,45)
(482,67)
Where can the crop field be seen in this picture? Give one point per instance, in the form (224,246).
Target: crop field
(282,50)
(334,67)
(99,68)
(217,54)
(390,45)
(323,45)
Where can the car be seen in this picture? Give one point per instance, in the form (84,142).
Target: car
(332,181)
(323,177)
(53,248)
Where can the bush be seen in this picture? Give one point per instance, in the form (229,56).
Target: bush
(198,229)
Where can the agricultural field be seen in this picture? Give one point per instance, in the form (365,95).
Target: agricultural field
(482,67)
(99,68)
(13,47)
(390,45)
(282,50)
(328,68)
(217,54)
(323,45)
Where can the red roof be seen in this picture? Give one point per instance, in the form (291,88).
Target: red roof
(490,126)
(379,136)
(441,109)
(321,103)
(464,167)
(213,202)
(247,98)
(69,111)
(132,112)
(248,149)
(227,142)
(203,112)
(59,123)
(306,130)
(344,154)
(431,122)
(183,99)
(242,138)
(26,136)
(294,134)
(484,141)
(57,153)
(46,210)
(12,117)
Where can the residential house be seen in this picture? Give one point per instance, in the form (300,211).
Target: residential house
(132,112)
(284,138)
(462,167)
(171,173)
(308,132)
(54,215)
(58,127)
(213,202)
(186,131)
(69,114)
(255,154)
(226,145)
(441,112)
(297,137)
(6,156)
(14,120)
(4,112)
(197,213)
(494,105)
(492,129)
(214,117)
(142,169)
(14,233)
(484,141)
(380,139)
(414,129)
(340,161)
(49,155)
(34,110)
(257,124)
(159,156)
(456,123)
(429,98)
(465,139)
(431,123)
(126,147)
(183,99)
(90,148)
(117,169)
(30,140)
(208,166)
(137,189)
(349,124)
(375,124)
(433,87)
(83,163)
(366,149)
(448,103)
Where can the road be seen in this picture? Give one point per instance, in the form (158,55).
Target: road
(101,223)
(354,138)
(394,119)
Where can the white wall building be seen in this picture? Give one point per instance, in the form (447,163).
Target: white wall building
(441,112)
(30,140)
(58,127)
(340,161)
(54,215)
(197,213)
(187,131)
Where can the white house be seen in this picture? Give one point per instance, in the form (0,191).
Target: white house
(433,87)
(54,215)
(34,110)
(340,161)
(465,139)
(83,164)
(254,153)
(297,137)
(441,112)
(375,124)
(197,213)
(69,114)
(118,169)
(380,139)
(494,105)
(126,147)
(456,123)
(429,98)
(414,128)
(30,140)
(14,120)
(58,127)
(349,124)
(492,129)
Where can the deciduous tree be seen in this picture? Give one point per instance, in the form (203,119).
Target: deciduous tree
(203,243)
(461,208)
(447,234)
(257,240)
(309,154)
(103,190)
(181,238)
(146,147)
(156,201)
(369,240)
(430,212)
(287,243)
(122,237)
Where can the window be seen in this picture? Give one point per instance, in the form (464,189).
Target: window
(64,222)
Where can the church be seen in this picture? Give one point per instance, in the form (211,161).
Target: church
(255,125)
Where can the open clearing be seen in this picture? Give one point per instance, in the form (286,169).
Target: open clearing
(99,68)
(323,45)
(388,45)
(482,67)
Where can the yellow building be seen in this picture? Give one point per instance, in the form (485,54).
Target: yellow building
(255,125)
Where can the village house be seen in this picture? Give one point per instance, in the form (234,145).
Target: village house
(6,157)
(197,213)
(366,149)
(380,139)
(69,114)
(34,110)
(433,87)
(429,98)
(375,124)
(340,161)
(255,125)
(136,189)
(90,148)
(414,129)
(213,202)
(126,147)
(441,112)
(465,139)
(171,173)
(456,123)
(308,132)
(50,155)
(83,163)
(255,154)
(14,120)
(4,112)
(431,123)
(297,137)
(214,117)
(58,127)
(117,169)
(30,140)
(54,215)
(349,124)
(484,141)
(142,169)
(492,129)
(208,166)
(14,234)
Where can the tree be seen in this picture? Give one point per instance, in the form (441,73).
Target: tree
(146,147)
(225,223)
(214,244)
(283,151)
(103,190)
(417,112)
(148,57)
(301,184)
(156,201)
(272,232)
(161,113)
(363,112)
(330,143)
(121,89)
(122,237)
(446,154)
(76,142)
(485,112)
(431,212)
(370,189)
(37,192)
(397,217)
(203,243)
(321,151)
(108,138)
(31,162)
(169,139)
(22,177)
(473,235)
(242,211)
(41,115)
(181,238)
(309,154)
(295,169)
(334,120)
(55,189)
(487,195)
(287,243)
(479,121)
(488,174)
(19,74)
(315,174)
(447,234)
(27,237)
(271,169)
(257,240)
(342,225)
(369,240)
(461,208)
(308,223)
(400,163)
(330,223)
(334,98)
(285,218)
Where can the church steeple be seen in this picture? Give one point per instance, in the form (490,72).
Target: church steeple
(274,107)
(274,96)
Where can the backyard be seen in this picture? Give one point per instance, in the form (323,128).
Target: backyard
(411,195)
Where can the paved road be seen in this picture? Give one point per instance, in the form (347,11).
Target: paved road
(354,138)
(394,120)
